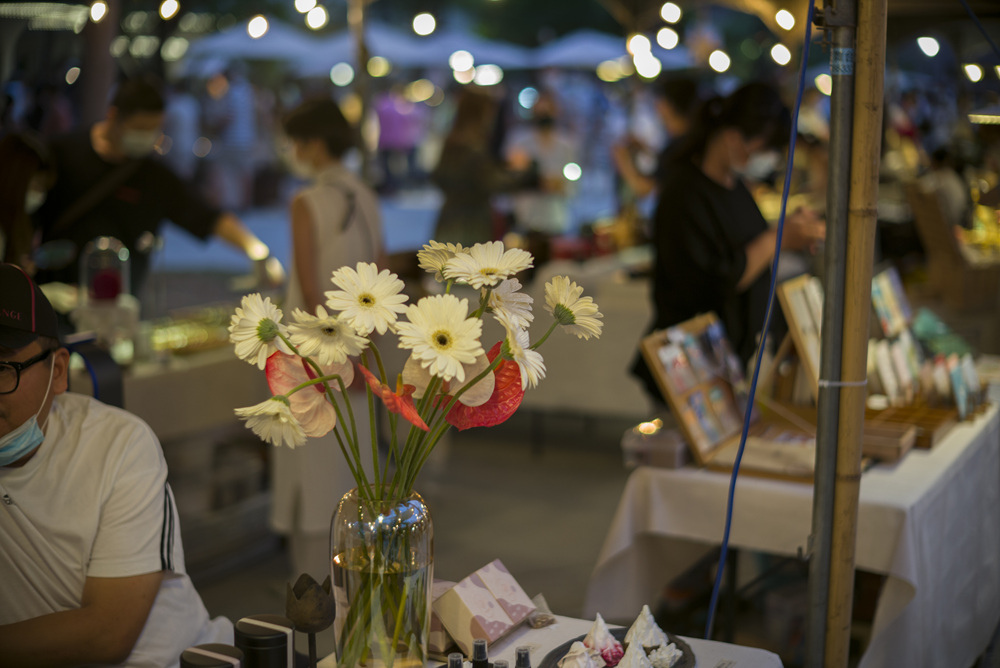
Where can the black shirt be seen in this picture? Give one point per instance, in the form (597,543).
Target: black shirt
(701,230)
(131,213)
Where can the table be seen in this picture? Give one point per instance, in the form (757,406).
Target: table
(929,522)
(541,641)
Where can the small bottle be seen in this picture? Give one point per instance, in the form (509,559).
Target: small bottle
(455,660)
(211,655)
(500,663)
(479,659)
(267,641)
(523,658)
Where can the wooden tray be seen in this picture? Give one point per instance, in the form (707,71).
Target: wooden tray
(932,424)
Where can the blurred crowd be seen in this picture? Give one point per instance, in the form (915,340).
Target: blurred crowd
(543,135)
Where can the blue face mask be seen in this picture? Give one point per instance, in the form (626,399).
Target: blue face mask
(26,438)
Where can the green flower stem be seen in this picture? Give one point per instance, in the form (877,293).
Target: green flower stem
(393,445)
(540,341)
(415,434)
(441,425)
(484,301)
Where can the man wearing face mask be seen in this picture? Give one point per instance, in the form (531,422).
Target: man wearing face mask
(91,563)
(109,184)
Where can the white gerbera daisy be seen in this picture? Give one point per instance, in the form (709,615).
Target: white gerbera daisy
(507,302)
(435,256)
(441,335)
(254,330)
(368,299)
(272,421)
(516,347)
(487,264)
(416,375)
(578,314)
(328,338)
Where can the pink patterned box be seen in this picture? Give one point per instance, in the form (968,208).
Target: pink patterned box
(477,607)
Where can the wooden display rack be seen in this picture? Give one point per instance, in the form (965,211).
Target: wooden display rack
(888,433)
(776,447)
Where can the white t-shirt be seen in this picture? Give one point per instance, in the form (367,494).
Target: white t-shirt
(94,502)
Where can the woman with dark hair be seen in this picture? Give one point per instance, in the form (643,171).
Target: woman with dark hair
(713,247)
(468,174)
(25,176)
(335,222)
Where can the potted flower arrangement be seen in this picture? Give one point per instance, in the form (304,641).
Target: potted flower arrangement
(381,533)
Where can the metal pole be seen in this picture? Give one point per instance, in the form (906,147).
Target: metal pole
(838,19)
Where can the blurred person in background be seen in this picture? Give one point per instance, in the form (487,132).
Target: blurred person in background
(108,183)
(713,248)
(335,222)
(543,212)
(235,125)
(676,102)
(25,177)
(182,127)
(469,175)
(401,127)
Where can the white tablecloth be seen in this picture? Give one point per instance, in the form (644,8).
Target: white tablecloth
(541,641)
(930,522)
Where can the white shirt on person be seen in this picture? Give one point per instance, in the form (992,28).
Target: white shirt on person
(94,502)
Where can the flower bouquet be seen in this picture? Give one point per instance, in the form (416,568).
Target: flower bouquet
(381,548)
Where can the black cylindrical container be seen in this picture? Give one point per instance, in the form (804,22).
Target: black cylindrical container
(267,641)
(212,655)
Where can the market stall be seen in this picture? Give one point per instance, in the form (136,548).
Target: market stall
(926,522)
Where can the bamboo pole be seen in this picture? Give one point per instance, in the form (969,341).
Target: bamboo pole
(839,20)
(861,220)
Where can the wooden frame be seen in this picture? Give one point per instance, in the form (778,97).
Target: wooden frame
(704,396)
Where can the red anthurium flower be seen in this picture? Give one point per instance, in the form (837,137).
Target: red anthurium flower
(400,401)
(309,405)
(506,398)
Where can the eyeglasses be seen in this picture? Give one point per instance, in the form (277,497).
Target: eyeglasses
(10,372)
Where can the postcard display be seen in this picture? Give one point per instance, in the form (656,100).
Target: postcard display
(928,392)
(703,382)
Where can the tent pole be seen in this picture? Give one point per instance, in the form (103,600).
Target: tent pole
(362,80)
(862,217)
(838,19)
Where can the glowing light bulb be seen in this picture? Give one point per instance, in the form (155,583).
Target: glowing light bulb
(98,10)
(785,19)
(257,27)
(424,24)
(824,83)
(973,71)
(780,54)
(667,38)
(169,9)
(929,46)
(719,61)
(317,17)
(670,12)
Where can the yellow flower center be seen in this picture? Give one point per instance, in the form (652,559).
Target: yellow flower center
(366,300)
(441,339)
(489,272)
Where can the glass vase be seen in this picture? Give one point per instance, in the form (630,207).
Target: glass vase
(382,560)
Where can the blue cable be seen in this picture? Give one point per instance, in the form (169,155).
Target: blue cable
(767,323)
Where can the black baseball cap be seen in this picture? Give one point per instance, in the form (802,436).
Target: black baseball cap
(25,312)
